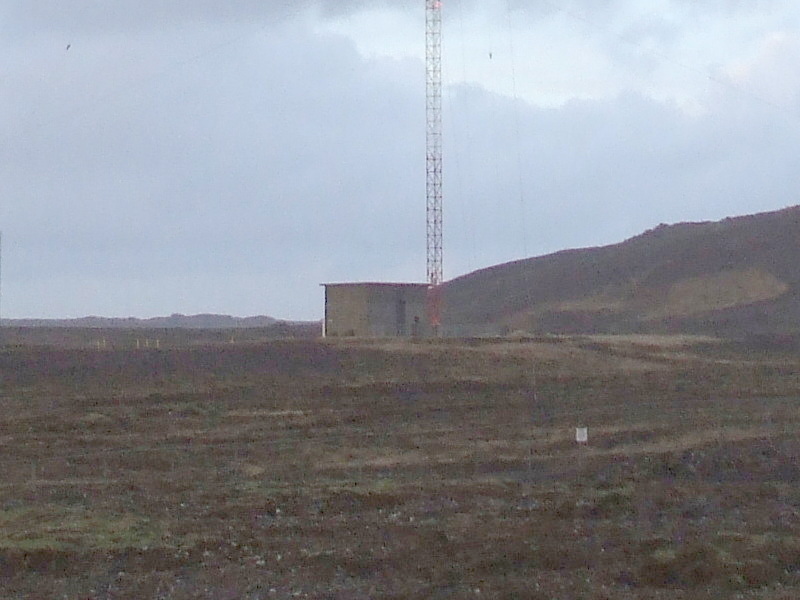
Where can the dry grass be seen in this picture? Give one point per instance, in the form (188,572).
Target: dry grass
(687,297)
(719,291)
(652,341)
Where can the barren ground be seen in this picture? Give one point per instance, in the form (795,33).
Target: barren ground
(306,469)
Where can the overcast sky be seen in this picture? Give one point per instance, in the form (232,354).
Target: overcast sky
(190,156)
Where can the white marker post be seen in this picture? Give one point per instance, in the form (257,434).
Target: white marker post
(582,435)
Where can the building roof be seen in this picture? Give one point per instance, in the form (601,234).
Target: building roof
(375,284)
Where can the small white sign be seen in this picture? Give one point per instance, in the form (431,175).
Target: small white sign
(582,435)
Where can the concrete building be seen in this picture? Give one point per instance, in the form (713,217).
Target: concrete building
(375,309)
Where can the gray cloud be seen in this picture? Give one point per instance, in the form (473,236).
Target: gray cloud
(150,172)
(22,17)
(597,172)
(89,17)
(256,162)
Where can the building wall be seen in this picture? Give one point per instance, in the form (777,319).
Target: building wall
(397,311)
(346,312)
(375,310)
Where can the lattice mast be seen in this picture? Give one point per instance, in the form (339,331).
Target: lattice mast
(433,61)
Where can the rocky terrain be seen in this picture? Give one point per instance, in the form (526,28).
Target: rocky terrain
(429,469)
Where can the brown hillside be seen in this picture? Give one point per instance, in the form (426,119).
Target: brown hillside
(732,277)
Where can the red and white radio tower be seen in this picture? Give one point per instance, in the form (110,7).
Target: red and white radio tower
(433,62)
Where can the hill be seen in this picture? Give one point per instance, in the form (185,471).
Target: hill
(732,277)
(174,321)
(175,330)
